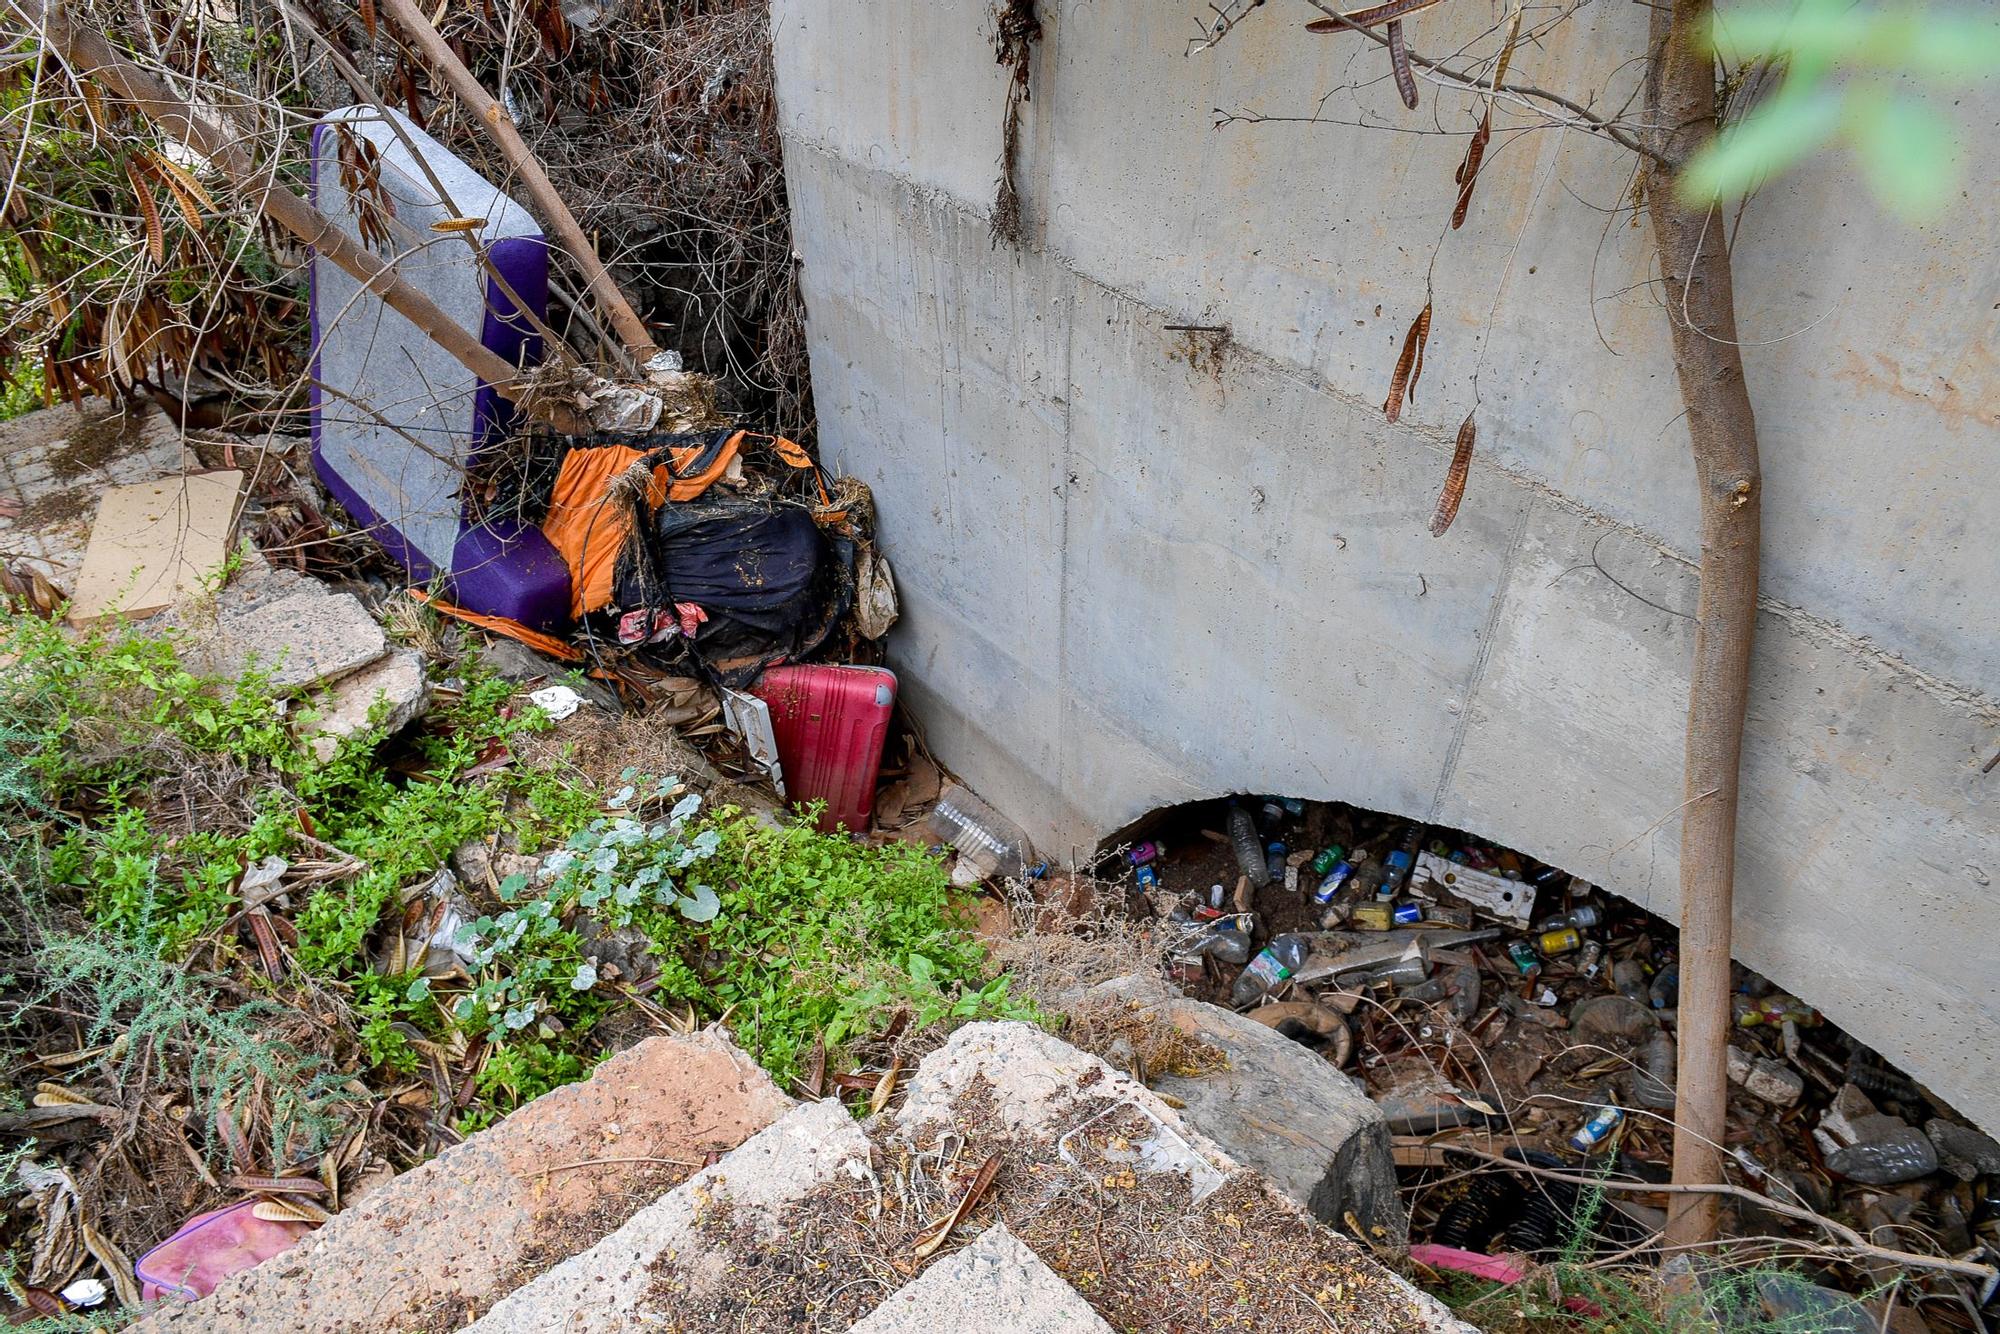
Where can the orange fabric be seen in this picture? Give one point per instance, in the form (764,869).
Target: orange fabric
(534,639)
(687,488)
(589,534)
(585,529)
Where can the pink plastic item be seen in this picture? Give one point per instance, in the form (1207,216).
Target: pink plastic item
(1492,1268)
(209,1248)
(830,724)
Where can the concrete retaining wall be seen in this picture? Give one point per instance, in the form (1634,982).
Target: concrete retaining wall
(1136,572)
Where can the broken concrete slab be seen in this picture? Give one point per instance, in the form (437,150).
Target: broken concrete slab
(1764,1078)
(996,1283)
(1012,1082)
(1282,1109)
(305,635)
(55,465)
(618,1284)
(394,683)
(445,1239)
(154,544)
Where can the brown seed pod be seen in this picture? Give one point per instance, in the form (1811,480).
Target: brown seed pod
(1409,365)
(1468,170)
(289,1211)
(1399,64)
(156,236)
(1454,480)
(263,1185)
(1368,18)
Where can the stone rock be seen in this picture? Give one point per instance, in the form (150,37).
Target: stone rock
(1963,1151)
(1886,1159)
(446,1238)
(996,1284)
(297,637)
(57,462)
(348,706)
(663,1257)
(1036,1090)
(486,867)
(1606,1017)
(1284,1110)
(1766,1079)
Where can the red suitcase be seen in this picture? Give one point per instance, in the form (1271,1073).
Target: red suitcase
(830,723)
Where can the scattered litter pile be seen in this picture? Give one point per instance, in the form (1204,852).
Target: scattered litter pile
(1517,1028)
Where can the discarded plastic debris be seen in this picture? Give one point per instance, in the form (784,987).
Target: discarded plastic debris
(1509,900)
(209,1248)
(1273,964)
(86,1292)
(1249,851)
(988,843)
(750,719)
(559,702)
(1653,1080)
(1593,1131)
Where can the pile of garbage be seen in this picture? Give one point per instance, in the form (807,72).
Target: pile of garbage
(1505,1012)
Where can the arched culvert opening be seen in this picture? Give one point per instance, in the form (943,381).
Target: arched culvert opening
(1506,1015)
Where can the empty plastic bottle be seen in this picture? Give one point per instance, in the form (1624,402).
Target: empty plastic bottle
(988,843)
(1273,964)
(1274,859)
(1227,943)
(1653,1081)
(1665,993)
(1249,849)
(1903,1154)
(1582,918)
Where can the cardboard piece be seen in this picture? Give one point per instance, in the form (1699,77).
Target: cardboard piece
(154,543)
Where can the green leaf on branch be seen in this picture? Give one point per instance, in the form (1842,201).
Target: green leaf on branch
(1765,142)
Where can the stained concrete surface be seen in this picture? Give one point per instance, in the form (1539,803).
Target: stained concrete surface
(1135,572)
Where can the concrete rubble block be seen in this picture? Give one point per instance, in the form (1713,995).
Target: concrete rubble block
(616,1284)
(1764,1078)
(1287,1112)
(1963,1151)
(295,630)
(995,1284)
(442,1241)
(1036,1090)
(396,680)
(56,463)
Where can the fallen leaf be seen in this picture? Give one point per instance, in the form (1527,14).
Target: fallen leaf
(935,1235)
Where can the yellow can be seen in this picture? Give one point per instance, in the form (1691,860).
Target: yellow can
(1560,941)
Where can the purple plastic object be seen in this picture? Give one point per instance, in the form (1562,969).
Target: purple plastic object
(209,1248)
(501,568)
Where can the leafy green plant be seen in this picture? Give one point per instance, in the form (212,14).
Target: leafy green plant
(1842,67)
(819,937)
(181,1021)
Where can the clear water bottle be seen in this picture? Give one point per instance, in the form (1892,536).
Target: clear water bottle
(1273,964)
(1249,849)
(988,843)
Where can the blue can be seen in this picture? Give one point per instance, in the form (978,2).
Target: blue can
(1330,886)
(1149,879)
(1409,913)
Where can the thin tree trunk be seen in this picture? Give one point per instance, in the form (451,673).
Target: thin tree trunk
(91,57)
(499,127)
(1722,434)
